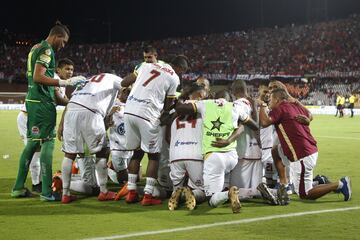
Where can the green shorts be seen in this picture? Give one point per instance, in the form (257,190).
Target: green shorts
(41,120)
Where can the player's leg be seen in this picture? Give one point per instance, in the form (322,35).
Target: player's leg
(280,167)
(73,144)
(101,169)
(177,176)
(194,193)
(19,189)
(151,179)
(132,134)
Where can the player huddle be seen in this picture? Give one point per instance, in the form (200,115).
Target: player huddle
(222,147)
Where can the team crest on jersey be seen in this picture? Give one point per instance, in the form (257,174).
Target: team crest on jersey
(48,52)
(35,130)
(121,129)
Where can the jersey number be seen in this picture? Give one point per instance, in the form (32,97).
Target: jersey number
(155,74)
(97,78)
(179,125)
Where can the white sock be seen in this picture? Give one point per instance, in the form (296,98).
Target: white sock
(218,198)
(132,181)
(341,184)
(149,187)
(113,175)
(35,168)
(101,169)
(66,175)
(199,195)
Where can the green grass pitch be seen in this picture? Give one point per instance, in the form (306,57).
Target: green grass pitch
(339,155)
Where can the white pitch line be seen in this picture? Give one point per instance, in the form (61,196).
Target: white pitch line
(334,137)
(249,220)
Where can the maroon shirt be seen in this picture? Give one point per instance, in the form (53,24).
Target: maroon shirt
(295,138)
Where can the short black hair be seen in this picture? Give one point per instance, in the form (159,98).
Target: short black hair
(194,87)
(238,86)
(180,61)
(223,94)
(64,61)
(150,49)
(59,29)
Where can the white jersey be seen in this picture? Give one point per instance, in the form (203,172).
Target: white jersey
(117,131)
(186,139)
(154,82)
(247,146)
(98,94)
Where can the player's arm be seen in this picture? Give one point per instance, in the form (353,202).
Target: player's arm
(61,126)
(60,100)
(264,118)
(224,142)
(40,78)
(169,104)
(128,80)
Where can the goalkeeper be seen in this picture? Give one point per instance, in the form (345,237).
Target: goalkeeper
(41,107)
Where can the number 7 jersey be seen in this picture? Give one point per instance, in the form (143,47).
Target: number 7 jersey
(153,84)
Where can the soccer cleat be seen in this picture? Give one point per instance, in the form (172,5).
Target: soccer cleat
(266,194)
(108,196)
(346,188)
(174,199)
(290,189)
(132,197)
(122,192)
(283,197)
(21,193)
(68,199)
(234,199)
(36,188)
(56,184)
(55,196)
(190,200)
(149,200)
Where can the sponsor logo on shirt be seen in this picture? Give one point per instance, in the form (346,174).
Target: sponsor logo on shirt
(181,143)
(132,98)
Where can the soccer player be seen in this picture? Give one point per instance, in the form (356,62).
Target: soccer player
(65,68)
(341,106)
(83,122)
(220,123)
(352,99)
(151,96)
(249,170)
(186,157)
(267,136)
(120,157)
(40,105)
(150,56)
(297,148)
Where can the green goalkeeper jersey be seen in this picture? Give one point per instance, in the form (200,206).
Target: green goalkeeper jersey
(42,53)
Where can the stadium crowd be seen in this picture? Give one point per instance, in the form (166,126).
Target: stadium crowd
(299,50)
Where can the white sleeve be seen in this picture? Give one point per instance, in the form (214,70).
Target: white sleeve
(174,83)
(239,113)
(200,108)
(117,83)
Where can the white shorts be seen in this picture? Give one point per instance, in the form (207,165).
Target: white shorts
(22,126)
(302,171)
(80,127)
(216,166)
(193,169)
(120,159)
(142,134)
(247,174)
